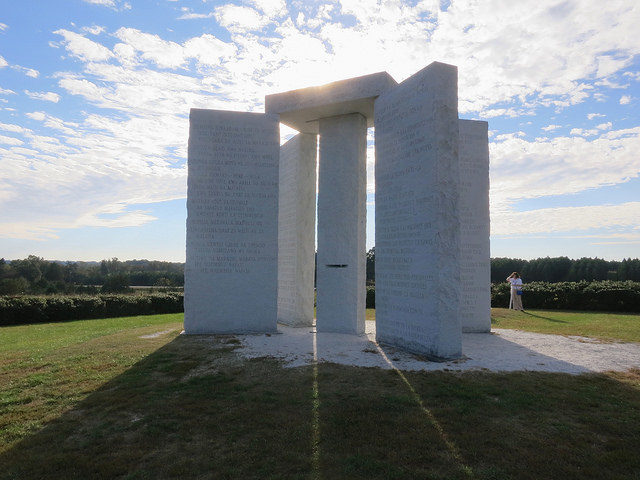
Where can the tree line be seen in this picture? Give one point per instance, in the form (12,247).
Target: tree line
(549,269)
(39,276)
(564,269)
(36,275)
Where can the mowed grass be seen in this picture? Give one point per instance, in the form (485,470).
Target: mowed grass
(130,398)
(605,326)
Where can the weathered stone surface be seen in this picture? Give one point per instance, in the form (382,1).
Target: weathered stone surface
(232,225)
(342,224)
(301,109)
(296,230)
(417,214)
(475,271)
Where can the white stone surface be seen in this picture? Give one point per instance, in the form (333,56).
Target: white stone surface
(301,109)
(232,225)
(475,269)
(342,220)
(499,351)
(296,230)
(417,214)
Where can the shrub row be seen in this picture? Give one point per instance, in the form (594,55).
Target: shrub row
(601,295)
(371,297)
(34,309)
(597,295)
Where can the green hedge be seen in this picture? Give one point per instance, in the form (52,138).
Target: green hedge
(598,295)
(35,309)
(601,295)
(371,297)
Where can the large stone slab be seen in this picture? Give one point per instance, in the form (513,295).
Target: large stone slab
(231,271)
(418,215)
(301,109)
(342,216)
(475,270)
(296,230)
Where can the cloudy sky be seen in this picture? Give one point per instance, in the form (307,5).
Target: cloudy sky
(95,96)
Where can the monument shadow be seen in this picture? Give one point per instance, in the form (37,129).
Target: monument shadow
(194,409)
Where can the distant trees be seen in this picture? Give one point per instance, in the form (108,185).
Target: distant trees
(116,283)
(550,269)
(36,275)
(371,266)
(563,269)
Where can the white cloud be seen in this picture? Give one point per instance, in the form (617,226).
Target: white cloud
(240,19)
(193,16)
(584,132)
(625,99)
(4,91)
(271,8)
(113,4)
(512,60)
(48,96)
(591,116)
(10,140)
(83,48)
(11,127)
(104,3)
(565,219)
(163,53)
(522,169)
(502,112)
(39,116)
(29,72)
(608,83)
(82,183)
(549,128)
(3,27)
(604,126)
(93,30)
(208,50)
(509,136)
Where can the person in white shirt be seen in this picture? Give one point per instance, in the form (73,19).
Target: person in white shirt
(515,301)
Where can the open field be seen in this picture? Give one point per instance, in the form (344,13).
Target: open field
(130,398)
(605,326)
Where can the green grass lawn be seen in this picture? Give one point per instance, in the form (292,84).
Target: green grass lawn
(96,399)
(606,326)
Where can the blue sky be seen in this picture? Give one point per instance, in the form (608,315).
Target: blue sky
(95,95)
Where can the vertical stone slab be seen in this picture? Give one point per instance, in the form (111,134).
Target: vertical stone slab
(342,196)
(296,230)
(475,271)
(417,214)
(231,272)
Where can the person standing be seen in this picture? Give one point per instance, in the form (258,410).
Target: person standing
(515,301)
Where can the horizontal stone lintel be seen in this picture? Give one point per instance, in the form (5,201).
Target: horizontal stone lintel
(300,109)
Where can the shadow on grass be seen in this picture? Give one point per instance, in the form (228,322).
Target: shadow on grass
(194,409)
(554,320)
(191,409)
